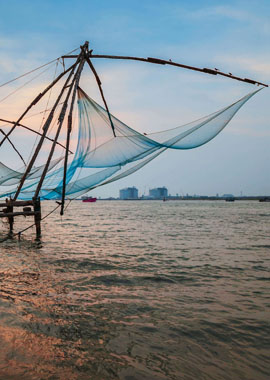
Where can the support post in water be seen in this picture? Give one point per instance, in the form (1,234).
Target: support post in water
(10,217)
(37,216)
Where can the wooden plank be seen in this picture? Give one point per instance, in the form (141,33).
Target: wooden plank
(10,214)
(17,203)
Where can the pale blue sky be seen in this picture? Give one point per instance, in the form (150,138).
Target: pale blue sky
(230,35)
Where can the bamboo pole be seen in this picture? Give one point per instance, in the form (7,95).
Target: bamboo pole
(10,216)
(101,92)
(169,62)
(166,62)
(70,127)
(60,121)
(37,217)
(45,129)
(36,100)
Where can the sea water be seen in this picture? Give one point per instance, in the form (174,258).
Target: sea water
(138,290)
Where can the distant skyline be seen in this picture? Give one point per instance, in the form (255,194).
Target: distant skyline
(145,191)
(230,35)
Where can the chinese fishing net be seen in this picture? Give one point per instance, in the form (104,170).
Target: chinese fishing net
(113,157)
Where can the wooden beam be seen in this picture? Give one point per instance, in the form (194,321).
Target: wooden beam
(17,213)
(84,50)
(45,129)
(101,92)
(17,203)
(169,62)
(60,123)
(70,56)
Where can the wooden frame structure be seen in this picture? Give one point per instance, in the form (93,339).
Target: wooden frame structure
(67,97)
(30,208)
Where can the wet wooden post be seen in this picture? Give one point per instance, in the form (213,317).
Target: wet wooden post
(10,218)
(37,216)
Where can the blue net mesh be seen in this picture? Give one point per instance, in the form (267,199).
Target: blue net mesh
(111,157)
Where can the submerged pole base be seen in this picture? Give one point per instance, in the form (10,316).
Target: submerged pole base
(37,217)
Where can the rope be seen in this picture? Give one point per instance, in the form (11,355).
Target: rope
(50,93)
(70,200)
(43,111)
(13,146)
(31,71)
(19,88)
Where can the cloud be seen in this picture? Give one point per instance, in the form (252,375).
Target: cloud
(151,98)
(8,43)
(259,65)
(235,13)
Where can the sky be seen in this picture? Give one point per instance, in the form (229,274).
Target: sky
(232,36)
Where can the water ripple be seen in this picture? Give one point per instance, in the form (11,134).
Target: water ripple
(138,290)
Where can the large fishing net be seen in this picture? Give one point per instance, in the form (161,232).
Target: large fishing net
(101,158)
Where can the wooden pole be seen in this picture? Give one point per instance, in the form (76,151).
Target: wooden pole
(37,217)
(60,121)
(165,62)
(45,129)
(70,127)
(170,62)
(101,92)
(36,100)
(10,217)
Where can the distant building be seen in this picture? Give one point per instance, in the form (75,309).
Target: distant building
(159,192)
(129,193)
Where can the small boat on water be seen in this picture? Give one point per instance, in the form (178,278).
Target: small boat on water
(89,199)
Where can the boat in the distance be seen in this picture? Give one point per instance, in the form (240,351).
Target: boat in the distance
(89,199)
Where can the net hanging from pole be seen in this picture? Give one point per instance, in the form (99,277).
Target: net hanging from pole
(112,157)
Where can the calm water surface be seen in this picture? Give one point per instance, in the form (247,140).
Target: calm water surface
(138,290)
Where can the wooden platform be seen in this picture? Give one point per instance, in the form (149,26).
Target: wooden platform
(28,208)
